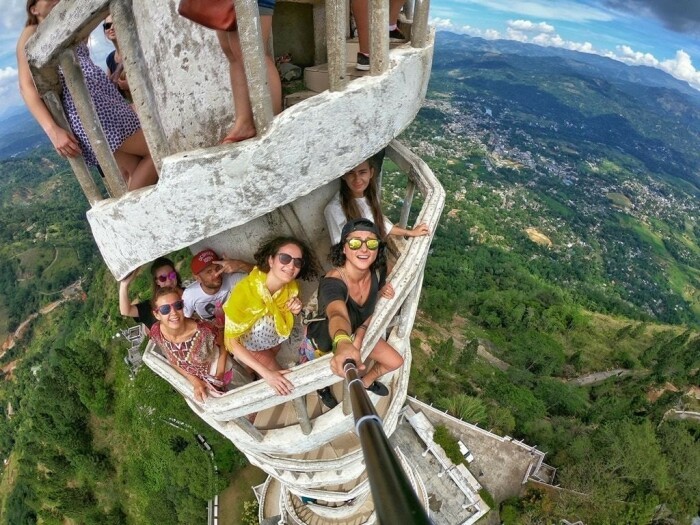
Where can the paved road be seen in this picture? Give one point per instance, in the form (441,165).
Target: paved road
(599,377)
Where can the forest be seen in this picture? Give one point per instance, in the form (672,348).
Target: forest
(89,443)
(45,242)
(559,254)
(614,286)
(614,442)
(82,440)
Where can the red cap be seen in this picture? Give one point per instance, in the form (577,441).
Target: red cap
(202,260)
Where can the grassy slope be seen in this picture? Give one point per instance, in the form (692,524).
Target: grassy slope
(238,492)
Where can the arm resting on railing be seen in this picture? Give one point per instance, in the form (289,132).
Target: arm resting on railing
(64,141)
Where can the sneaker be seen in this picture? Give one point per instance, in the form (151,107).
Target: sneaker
(396,34)
(378,388)
(327,397)
(362,62)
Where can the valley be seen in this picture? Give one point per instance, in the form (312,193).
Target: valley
(561,304)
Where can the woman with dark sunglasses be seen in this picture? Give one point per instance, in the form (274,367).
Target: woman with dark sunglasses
(259,313)
(115,64)
(163,275)
(192,347)
(347,296)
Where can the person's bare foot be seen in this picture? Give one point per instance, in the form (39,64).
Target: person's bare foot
(239,133)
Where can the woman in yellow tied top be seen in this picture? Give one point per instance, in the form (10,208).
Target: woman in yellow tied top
(259,313)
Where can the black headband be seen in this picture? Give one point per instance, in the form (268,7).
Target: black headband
(358,225)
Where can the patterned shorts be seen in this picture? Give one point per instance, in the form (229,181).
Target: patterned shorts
(308,351)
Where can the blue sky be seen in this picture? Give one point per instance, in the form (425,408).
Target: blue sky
(660,33)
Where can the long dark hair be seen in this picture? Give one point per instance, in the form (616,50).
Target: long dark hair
(270,247)
(350,208)
(32,20)
(157,265)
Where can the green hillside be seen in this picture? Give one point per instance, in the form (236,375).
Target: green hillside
(568,248)
(562,253)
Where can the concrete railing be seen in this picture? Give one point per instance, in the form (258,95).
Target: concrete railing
(307,378)
(72,22)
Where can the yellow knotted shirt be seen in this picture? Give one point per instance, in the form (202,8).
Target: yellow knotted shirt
(250,300)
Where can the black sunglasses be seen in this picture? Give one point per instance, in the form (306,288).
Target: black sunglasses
(164,309)
(107,25)
(285,258)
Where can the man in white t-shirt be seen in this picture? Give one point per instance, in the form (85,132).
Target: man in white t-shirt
(215,278)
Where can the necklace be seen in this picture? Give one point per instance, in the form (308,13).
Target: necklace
(358,287)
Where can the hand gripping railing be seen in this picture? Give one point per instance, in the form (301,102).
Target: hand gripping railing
(395,501)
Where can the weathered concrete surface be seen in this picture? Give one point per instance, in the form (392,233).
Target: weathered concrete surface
(500,465)
(188,73)
(278,450)
(67,24)
(446,500)
(405,277)
(682,414)
(205,192)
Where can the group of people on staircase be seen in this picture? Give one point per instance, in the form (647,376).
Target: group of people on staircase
(111,97)
(226,328)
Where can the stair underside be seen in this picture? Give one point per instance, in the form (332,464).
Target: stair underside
(205,192)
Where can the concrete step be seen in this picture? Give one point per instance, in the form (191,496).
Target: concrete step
(316,77)
(299,96)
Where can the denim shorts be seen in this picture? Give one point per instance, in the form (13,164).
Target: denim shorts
(266,7)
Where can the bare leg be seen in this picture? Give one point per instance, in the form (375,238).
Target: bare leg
(269,358)
(360,10)
(394,10)
(144,173)
(386,359)
(244,125)
(127,164)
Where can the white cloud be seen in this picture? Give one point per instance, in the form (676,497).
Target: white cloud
(544,34)
(628,55)
(529,26)
(9,88)
(567,10)
(446,24)
(680,66)
(8,73)
(13,15)
(443,24)
(514,34)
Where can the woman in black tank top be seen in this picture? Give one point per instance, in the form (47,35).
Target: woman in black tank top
(349,294)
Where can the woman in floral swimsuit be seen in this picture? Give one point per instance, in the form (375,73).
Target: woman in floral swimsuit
(192,347)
